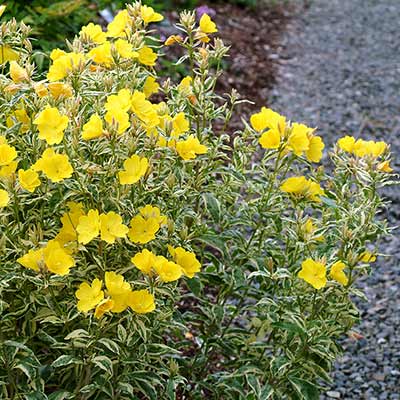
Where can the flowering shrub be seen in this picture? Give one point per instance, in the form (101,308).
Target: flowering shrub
(146,254)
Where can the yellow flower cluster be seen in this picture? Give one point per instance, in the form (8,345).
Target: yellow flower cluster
(185,262)
(366,149)
(79,227)
(119,296)
(277,133)
(301,187)
(96,99)
(314,272)
(122,112)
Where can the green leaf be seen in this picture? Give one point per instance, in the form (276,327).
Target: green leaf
(64,360)
(146,389)
(328,202)
(214,241)
(122,334)
(290,327)
(213,206)
(36,396)
(171,389)
(110,345)
(267,392)
(60,395)
(28,369)
(104,363)
(195,286)
(125,387)
(76,334)
(254,384)
(305,389)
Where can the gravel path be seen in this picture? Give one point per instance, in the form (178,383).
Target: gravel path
(341,72)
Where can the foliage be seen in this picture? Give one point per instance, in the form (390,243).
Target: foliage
(145,253)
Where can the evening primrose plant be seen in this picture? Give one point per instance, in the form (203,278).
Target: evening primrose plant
(144,252)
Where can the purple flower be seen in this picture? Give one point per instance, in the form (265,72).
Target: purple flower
(205,10)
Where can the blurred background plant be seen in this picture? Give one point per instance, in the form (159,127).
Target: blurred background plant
(54,21)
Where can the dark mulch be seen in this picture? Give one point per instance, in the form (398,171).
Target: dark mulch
(255,39)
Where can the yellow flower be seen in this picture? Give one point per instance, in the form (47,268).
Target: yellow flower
(313,272)
(338,274)
(118,26)
(57,53)
(150,212)
(119,290)
(93,128)
(70,221)
(180,125)
(308,229)
(143,230)
(295,184)
(190,148)
(93,32)
(141,301)
(135,167)
(384,167)
(314,152)
(63,65)
(51,125)
(88,227)
(57,259)
(4,198)
(149,15)
(19,117)
(186,259)
(40,89)
(29,179)
(270,139)
(144,261)
(168,271)
(2,9)
(7,54)
(7,154)
(105,306)
(173,39)
(59,89)
(144,110)
(360,148)
(125,49)
(298,140)
(89,296)
(299,185)
(119,102)
(55,166)
(314,191)
(150,86)
(275,123)
(119,119)
(111,227)
(17,73)
(270,119)
(32,260)
(102,54)
(147,56)
(346,143)
(367,257)
(207,25)
(376,149)
(185,86)
(8,171)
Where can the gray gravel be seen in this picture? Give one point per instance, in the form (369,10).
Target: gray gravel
(341,72)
